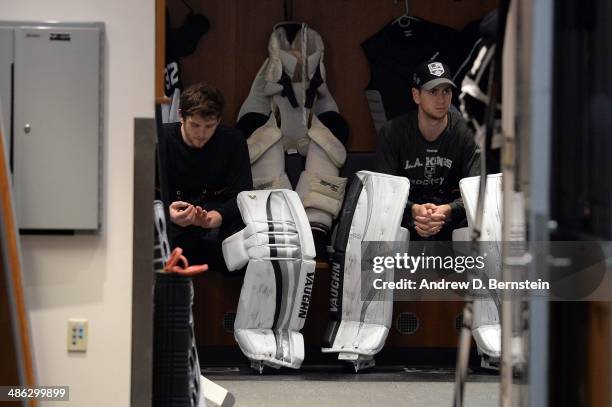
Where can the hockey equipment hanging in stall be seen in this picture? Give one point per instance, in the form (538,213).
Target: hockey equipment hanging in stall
(289,112)
(474,95)
(395,51)
(180,42)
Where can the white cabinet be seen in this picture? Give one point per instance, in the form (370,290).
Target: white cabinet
(56,96)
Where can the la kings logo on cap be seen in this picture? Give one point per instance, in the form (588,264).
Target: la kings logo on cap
(436,68)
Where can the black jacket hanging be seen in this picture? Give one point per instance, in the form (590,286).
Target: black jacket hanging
(181,42)
(396,50)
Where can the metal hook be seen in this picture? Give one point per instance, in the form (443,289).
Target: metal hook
(404,20)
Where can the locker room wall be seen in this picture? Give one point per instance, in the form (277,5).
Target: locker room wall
(232,51)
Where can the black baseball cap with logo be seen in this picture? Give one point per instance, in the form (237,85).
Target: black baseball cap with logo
(428,75)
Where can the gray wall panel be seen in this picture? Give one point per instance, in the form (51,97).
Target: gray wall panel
(57,93)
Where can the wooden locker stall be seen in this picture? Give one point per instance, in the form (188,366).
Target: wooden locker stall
(230,54)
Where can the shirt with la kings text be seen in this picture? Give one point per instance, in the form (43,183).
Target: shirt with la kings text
(433,168)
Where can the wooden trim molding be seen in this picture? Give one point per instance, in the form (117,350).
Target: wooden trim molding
(160,47)
(9,240)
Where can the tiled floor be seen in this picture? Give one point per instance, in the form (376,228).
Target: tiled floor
(381,387)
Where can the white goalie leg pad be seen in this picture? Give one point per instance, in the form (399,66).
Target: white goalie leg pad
(486,323)
(373,211)
(277,244)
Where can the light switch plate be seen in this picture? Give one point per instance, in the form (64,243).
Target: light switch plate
(77,335)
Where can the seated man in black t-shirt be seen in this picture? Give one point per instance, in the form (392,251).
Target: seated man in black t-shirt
(206,165)
(434,149)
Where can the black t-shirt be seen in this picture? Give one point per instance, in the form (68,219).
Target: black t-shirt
(211,176)
(433,168)
(394,52)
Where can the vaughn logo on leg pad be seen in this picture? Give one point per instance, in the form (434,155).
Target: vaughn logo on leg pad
(306,296)
(334,289)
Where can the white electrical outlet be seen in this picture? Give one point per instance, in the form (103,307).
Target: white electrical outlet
(77,335)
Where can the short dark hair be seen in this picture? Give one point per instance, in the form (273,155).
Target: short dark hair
(202,99)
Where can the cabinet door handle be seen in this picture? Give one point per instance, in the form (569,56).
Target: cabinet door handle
(27,128)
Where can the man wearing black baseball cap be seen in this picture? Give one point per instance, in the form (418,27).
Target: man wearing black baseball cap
(434,149)
(430,75)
